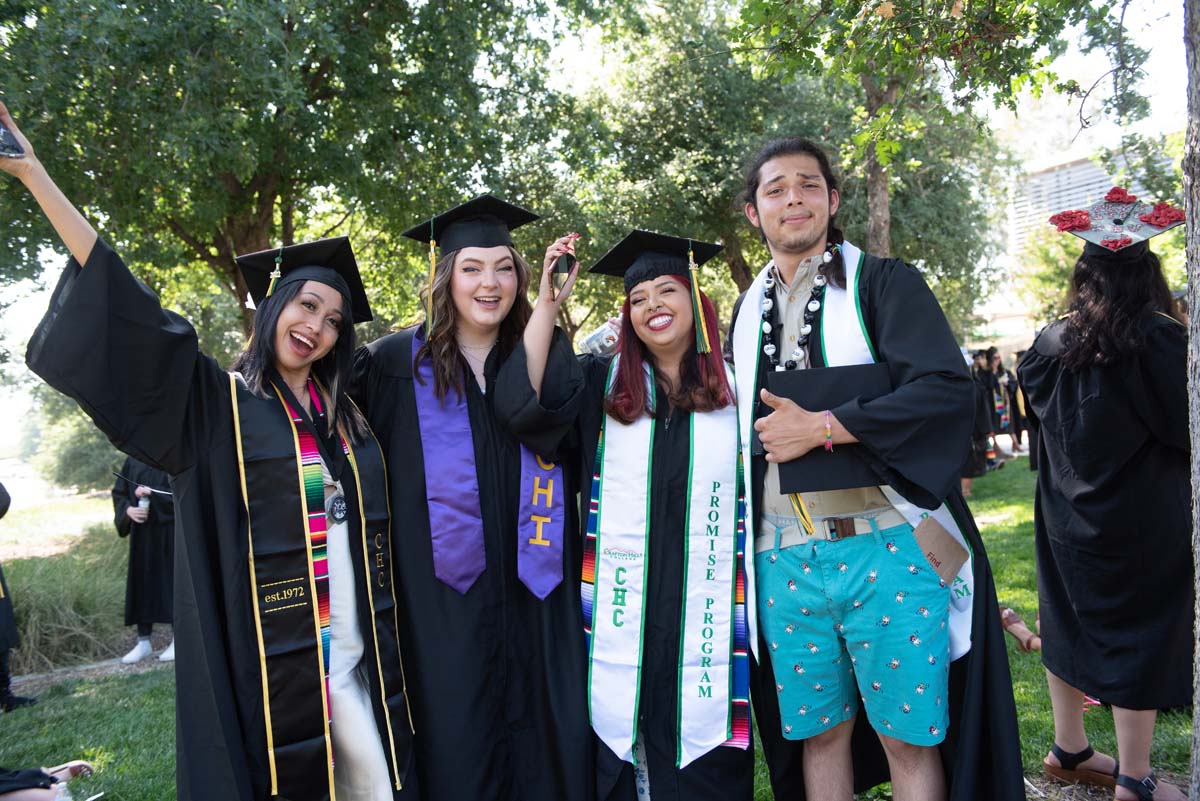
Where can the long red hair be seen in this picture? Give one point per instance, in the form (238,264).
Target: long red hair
(703,385)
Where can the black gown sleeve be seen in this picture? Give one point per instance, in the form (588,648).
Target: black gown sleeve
(133,367)
(5,501)
(916,436)
(541,424)
(122,498)
(1163,406)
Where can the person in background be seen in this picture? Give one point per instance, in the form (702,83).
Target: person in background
(977,462)
(40,784)
(145,513)
(1107,384)
(9,636)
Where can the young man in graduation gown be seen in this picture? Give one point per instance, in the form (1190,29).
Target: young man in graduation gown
(290,684)
(9,636)
(490,620)
(848,605)
(147,518)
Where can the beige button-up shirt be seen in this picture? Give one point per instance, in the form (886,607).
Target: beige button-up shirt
(790,300)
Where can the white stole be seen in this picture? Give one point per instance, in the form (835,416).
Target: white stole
(710,554)
(844,341)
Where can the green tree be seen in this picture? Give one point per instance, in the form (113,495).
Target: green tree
(896,50)
(666,133)
(192,131)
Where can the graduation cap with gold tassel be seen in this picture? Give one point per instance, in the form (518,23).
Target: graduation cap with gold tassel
(645,255)
(482,222)
(327,261)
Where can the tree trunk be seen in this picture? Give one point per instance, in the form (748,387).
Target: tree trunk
(735,257)
(1191,188)
(879,215)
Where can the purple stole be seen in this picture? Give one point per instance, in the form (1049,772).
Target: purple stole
(452,491)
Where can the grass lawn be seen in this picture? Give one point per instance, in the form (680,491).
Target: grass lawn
(1003,504)
(125,724)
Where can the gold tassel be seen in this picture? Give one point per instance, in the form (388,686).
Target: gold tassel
(276,273)
(703,343)
(432,270)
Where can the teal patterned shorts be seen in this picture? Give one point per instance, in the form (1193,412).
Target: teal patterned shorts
(861,617)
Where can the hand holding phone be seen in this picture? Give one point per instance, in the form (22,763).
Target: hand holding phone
(9,146)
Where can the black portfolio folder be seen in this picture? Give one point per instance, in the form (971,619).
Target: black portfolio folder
(818,389)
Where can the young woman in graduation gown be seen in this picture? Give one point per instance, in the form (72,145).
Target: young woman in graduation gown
(489,622)
(1107,387)
(284,610)
(149,585)
(654,451)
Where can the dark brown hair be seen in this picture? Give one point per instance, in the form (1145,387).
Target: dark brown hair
(1107,300)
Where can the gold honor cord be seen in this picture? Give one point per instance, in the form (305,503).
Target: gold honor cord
(801,511)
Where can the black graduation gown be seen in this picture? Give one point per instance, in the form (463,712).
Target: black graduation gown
(136,370)
(976,464)
(29,779)
(149,585)
(9,636)
(496,677)
(1113,518)
(915,441)
(723,774)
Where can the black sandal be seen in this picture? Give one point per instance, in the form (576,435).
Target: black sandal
(1068,769)
(1143,789)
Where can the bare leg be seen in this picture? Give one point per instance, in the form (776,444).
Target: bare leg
(1068,726)
(31,794)
(828,771)
(916,771)
(1135,732)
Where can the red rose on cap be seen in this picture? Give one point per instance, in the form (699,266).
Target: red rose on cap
(1119,195)
(1075,220)
(1116,244)
(1164,214)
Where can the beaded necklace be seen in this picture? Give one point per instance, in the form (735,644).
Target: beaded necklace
(799,357)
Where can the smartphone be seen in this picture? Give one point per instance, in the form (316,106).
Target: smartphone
(9,146)
(562,269)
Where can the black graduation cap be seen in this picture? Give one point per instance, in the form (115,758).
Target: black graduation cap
(329,261)
(481,222)
(645,255)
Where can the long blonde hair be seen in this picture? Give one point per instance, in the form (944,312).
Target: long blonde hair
(441,345)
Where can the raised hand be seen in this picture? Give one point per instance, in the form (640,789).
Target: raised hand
(23,166)
(559,247)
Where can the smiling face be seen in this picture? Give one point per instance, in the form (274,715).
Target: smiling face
(483,288)
(307,328)
(793,205)
(660,311)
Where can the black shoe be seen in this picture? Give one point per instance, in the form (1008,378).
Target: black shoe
(10,702)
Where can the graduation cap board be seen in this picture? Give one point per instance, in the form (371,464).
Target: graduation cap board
(1118,223)
(329,261)
(645,255)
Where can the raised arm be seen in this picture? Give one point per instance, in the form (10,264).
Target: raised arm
(76,232)
(540,328)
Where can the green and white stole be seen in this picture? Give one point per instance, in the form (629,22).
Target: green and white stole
(713,669)
(280,470)
(844,341)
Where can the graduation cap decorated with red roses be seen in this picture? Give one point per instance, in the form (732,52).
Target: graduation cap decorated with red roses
(1118,222)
